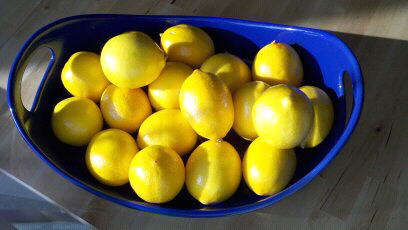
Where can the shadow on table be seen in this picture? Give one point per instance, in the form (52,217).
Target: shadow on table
(3,101)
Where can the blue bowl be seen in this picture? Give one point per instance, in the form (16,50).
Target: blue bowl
(325,58)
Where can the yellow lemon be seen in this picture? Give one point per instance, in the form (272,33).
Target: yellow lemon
(266,169)
(213,172)
(187,44)
(108,156)
(165,90)
(167,127)
(323,116)
(206,102)
(230,68)
(284,115)
(75,120)
(244,100)
(82,76)
(157,174)
(132,60)
(278,63)
(125,109)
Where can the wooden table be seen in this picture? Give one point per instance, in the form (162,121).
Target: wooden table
(364,187)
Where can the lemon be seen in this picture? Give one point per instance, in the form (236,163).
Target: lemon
(230,68)
(132,60)
(108,156)
(165,90)
(266,169)
(187,44)
(278,63)
(213,172)
(82,76)
(244,99)
(167,127)
(284,115)
(125,109)
(157,174)
(323,116)
(75,120)
(206,102)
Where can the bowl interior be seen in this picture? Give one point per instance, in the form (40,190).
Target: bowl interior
(243,39)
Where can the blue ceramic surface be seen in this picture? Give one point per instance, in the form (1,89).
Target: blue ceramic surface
(325,58)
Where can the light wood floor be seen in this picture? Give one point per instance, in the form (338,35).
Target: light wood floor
(365,187)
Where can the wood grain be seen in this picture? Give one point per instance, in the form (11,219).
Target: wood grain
(365,187)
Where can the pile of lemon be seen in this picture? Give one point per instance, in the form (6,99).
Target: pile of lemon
(193,92)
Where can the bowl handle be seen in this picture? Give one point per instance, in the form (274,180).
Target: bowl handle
(16,75)
(354,72)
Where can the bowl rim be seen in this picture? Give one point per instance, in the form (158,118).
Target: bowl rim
(358,94)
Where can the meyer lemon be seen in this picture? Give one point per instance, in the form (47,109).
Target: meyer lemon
(284,115)
(132,60)
(125,109)
(206,102)
(244,99)
(187,44)
(323,116)
(266,169)
(75,120)
(82,76)
(278,63)
(167,127)
(230,68)
(108,156)
(165,90)
(213,172)
(157,174)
